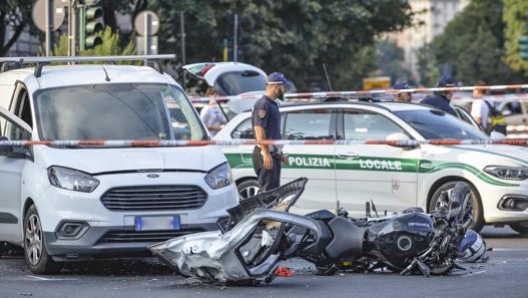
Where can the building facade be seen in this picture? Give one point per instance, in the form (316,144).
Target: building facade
(430,19)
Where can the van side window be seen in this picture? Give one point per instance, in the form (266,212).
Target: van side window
(23,107)
(12,131)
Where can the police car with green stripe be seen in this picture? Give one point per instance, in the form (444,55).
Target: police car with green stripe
(392,177)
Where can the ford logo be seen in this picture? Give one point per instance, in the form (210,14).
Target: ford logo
(153,175)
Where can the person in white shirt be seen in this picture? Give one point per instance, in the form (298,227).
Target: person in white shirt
(213,117)
(479,109)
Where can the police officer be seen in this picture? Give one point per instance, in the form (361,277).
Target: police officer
(266,124)
(441,99)
(402,96)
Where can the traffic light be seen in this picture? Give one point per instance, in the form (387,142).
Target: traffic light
(89,27)
(523,46)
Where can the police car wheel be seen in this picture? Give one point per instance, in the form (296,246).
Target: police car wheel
(478,217)
(248,188)
(520,227)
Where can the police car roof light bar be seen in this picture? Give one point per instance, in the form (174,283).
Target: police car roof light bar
(153,61)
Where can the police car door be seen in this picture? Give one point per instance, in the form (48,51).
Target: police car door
(382,174)
(12,160)
(315,162)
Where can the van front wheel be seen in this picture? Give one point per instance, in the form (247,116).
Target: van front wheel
(248,188)
(35,252)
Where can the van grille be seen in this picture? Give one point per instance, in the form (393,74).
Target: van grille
(144,236)
(154,198)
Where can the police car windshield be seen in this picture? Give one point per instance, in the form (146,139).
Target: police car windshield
(116,112)
(434,124)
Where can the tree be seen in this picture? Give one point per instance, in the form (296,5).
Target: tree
(515,17)
(16,16)
(110,46)
(292,36)
(472,46)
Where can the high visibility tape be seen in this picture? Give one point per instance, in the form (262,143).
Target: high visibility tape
(318,95)
(240,142)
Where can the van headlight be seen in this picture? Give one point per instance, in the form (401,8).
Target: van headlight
(71,179)
(507,173)
(219,177)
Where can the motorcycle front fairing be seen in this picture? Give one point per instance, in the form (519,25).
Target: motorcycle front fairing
(250,251)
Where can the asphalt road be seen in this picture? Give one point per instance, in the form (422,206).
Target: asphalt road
(504,275)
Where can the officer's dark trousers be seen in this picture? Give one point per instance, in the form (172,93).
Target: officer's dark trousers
(267,179)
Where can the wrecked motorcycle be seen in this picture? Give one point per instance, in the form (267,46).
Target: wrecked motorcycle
(409,242)
(260,233)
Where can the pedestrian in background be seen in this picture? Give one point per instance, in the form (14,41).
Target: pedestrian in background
(212,114)
(402,96)
(479,108)
(441,99)
(266,122)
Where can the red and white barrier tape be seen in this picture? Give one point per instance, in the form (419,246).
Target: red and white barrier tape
(240,142)
(318,95)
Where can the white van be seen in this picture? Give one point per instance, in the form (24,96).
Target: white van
(70,203)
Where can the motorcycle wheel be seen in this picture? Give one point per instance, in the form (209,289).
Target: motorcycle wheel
(478,217)
(520,227)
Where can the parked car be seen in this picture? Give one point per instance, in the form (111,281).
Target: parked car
(393,177)
(69,201)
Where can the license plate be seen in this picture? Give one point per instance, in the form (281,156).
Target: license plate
(149,223)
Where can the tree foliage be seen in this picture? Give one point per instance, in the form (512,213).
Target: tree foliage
(109,47)
(16,16)
(515,17)
(292,36)
(472,46)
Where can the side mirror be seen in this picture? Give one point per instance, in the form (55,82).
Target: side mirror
(398,136)
(506,113)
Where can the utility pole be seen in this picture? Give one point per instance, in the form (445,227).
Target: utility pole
(235,39)
(182,34)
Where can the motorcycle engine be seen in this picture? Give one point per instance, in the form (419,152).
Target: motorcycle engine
(399,239)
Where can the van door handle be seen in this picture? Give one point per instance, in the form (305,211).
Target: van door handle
(348,155)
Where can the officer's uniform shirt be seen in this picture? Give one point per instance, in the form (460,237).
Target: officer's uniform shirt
(266,114)
(439,102)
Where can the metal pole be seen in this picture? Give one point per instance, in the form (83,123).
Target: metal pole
(182,34)
(147,34)
(74,28)
(49,25)
(82,27)
(69,3)
(235,39)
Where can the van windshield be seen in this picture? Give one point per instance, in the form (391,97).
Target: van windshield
(116,112)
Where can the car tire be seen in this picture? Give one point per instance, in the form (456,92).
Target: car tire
(520,227)
(3,248)
(35,252)
(248,188)
(478,217)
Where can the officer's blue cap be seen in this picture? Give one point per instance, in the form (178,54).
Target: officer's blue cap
(446,81)
(401,85)
(277,78)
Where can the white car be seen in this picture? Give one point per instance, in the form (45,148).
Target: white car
(391,177)
(70,202)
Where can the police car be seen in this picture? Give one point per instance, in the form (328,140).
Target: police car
(391,177)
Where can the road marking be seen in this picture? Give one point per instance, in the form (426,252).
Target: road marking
(509,249)
(50,279)
(474,273)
